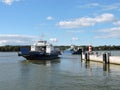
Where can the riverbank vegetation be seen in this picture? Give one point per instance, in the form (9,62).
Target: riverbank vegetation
(9,48)
(94,48)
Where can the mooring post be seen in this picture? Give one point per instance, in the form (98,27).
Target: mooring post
(87,56)
(106,58)
(81,56)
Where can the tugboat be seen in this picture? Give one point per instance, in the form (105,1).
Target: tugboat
(75,50)
(40,51)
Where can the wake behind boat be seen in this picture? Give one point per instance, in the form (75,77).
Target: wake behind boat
(40,51)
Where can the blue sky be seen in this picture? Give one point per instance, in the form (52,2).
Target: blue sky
(62,22)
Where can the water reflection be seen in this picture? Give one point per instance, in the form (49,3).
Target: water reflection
(87,64)
(88,67)
(66,73)
(24,76)
(106,67)
(42,62)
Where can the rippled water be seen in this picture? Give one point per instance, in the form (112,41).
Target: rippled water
(66,73)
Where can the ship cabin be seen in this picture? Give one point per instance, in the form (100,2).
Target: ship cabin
(42,46)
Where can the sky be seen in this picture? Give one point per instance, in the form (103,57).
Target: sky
(61,22)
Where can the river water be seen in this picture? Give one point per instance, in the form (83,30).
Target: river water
(66,73)
(112,52)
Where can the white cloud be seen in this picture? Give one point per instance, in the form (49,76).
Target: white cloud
(87,21)
(114,6)
(9,2)
(93,4)
(3,42)
(109,33)
(114,29)
(75,38)
(16,39)
(49,18)
(102,7)
(105,18)
(79,22)
(117,23)
(53,39)
(75,31)
(89,5)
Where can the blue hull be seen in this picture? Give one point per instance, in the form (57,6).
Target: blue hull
(40,57)
(36,55)
(79,51)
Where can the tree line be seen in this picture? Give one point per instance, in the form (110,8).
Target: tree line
(9,48)
(105,47)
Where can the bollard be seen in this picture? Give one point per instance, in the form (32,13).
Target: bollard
(106,58)
(107,55)
(81,56)
(87,56)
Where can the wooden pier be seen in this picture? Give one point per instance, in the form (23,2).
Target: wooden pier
(104,58)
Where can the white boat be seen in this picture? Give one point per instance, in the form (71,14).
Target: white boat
(75,50)
(42,50)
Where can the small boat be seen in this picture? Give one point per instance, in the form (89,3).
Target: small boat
(75,50)
(40,51)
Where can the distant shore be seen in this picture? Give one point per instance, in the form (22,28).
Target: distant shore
(11,48)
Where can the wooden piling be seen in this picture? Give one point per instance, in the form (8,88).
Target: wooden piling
(106,58)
